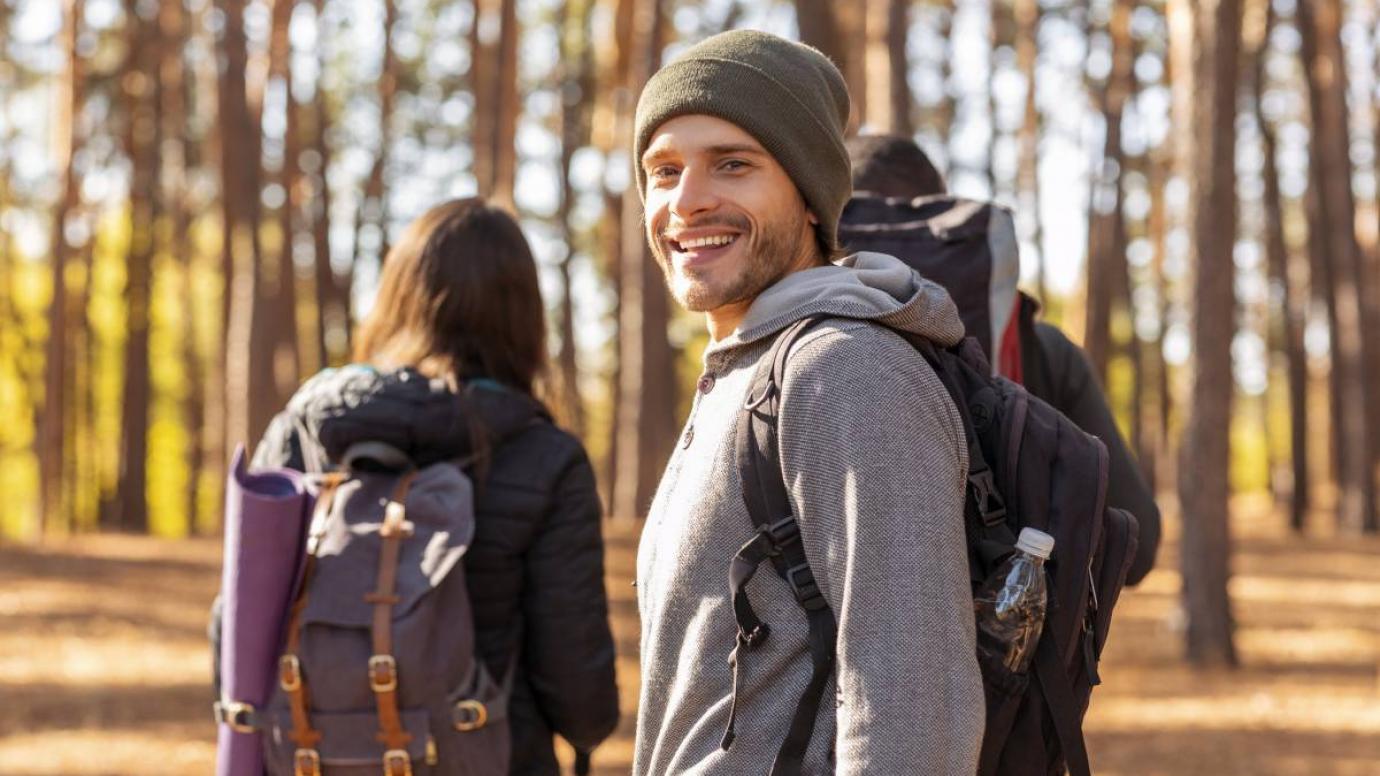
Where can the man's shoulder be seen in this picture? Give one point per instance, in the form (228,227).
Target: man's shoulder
(842,345)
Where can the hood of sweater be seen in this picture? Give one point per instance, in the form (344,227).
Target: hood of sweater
(421,417)
(867,286)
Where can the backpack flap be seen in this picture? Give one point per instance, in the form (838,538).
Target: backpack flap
(439,507)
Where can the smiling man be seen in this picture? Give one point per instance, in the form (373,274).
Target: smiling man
(742,169)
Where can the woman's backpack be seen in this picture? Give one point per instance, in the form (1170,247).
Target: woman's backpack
(1028,466)
(379,669)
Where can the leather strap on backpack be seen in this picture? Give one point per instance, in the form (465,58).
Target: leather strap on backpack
(306,760)
(383,667)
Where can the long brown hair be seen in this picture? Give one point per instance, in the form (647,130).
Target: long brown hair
(459,298)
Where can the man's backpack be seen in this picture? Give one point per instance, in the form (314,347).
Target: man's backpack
(967,246)
(379,669)
(1028,466)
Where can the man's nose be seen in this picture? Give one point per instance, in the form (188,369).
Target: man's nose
(694,193)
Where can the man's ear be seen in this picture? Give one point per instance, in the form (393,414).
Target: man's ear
(811,217)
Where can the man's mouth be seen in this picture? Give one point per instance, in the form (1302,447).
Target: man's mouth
(702,244)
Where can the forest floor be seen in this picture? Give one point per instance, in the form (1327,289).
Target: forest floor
(104,667)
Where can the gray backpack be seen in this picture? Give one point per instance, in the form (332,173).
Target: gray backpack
(379,667)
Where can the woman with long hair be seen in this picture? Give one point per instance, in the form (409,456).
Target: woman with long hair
(449,362)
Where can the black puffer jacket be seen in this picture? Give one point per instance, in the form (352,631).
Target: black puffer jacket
(535,569)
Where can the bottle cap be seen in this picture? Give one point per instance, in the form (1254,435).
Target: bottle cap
(1035,542)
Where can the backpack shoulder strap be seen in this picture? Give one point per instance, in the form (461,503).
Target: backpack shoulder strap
(777,538)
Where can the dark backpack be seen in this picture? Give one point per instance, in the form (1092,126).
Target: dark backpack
(1028,466)
(379,669)
(967,246)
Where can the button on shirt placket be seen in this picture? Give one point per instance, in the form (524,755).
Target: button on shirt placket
(703,386)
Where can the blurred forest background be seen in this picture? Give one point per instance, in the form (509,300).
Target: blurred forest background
(195,197)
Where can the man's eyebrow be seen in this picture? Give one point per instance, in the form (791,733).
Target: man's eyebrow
(656,155)
(735,148)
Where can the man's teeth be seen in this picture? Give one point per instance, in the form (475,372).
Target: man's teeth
(704,242)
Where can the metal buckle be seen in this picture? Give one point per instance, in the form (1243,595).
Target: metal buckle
(289,673)
(238,715)
(396,762)
(306,762)
(383,673)
(478,715)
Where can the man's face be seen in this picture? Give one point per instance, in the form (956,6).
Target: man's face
(723,218)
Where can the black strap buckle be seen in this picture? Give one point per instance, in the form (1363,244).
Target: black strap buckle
(802,582)
(782,533)
(986,500)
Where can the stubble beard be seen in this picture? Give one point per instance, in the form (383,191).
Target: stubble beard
(770,253)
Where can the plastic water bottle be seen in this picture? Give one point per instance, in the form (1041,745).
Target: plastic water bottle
(1011,602)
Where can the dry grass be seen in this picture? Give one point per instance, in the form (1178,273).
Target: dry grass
(104,668)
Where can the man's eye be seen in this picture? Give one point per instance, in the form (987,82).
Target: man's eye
(734,165)
(664,172)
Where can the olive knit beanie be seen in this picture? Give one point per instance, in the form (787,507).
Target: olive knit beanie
(787,95)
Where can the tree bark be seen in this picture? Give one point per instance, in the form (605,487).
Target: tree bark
(178,158)
(494,78)
(332,291)
(52,421)
(1319,23)
(575,85)
(245,386)
(1028,18)
(142,140)
(1107,231)
(373,207)
(1290,312)
(646,368)
(888,101)
(280,288)
(1203,482)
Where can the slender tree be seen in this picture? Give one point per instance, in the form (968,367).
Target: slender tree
(280,280)
(1203,480)
(332,290)
(239,140)
(1107,237)
(143,136)
(1319,25)
(1028,17)
(646,429)
(51,422)
(1290,311)
(575,82)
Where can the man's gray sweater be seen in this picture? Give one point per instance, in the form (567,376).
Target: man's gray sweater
(875,463)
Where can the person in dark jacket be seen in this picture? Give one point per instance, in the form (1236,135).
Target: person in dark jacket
(1054,368)
(458,300)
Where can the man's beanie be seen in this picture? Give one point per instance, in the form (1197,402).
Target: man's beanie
(787,95)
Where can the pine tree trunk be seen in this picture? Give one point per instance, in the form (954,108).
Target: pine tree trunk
(575,85)
(1028,18)
(1203,481)
(178,158)
(646,367)
(885,65)
(142,141)
(332,292)
(52,420)
(239,141)
(897,34)
(1290,314)
(281,286)
(1319,28)
(1107,239)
